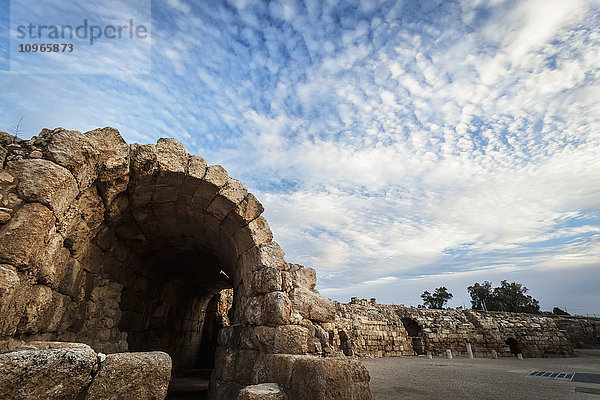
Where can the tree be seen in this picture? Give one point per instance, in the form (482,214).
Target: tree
(438,299)
(17,128)
(481,295)
(512,297)
(558,311)
(506,297)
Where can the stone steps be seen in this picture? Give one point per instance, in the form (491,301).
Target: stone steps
(191,385)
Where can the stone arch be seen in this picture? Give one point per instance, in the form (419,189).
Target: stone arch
(412,327)
(414,331)
(123,247)
(514,346)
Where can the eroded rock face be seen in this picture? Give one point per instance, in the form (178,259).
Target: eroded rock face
(125,247)
(52,373)
(132,376)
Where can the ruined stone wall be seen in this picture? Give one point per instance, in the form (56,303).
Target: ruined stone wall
(364,330)
(368,329)
(581,331)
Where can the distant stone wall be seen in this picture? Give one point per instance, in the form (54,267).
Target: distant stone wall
(581,331)
(368,329)
(363,329)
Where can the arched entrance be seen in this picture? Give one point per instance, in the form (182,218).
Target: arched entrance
(123,247)
(515,347)
(415,333)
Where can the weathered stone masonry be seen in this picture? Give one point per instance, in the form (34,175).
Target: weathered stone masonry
(124,247)
(368,329)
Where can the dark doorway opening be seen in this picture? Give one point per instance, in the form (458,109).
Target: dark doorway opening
(514,346)
(194,383)
(172,305)
(415,333)
(215,318)
(345,344)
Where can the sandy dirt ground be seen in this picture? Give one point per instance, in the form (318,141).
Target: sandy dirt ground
(480,378)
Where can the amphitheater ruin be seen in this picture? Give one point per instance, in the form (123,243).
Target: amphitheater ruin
(123,265)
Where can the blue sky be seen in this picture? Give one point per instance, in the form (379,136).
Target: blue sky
(396,145)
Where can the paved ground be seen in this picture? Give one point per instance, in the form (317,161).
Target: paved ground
(418,378)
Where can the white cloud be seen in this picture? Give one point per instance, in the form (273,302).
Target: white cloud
(179,5)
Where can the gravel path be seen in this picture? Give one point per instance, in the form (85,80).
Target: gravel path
(480,378)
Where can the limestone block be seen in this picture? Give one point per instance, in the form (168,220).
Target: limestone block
(171,156)
(270,309)
(228,335)
(291,339)
(212,226)
(214,178)
(114,153)
(263,391)
(315,378)
(246,211)
(216,175)
(52,374)
(258,338)
(312,305)
(44,182)
(265,255)
(6,178)
(305,277)
(228,197)
(312,343)
(321,335)
(320,379)
(143,159)
(287,281)
(244,366)
(43,345)
(255,233)
(225,360)
(42,309)
(277,309)
(132,376)
(24,237)
(9,285)
(249,208)
(197,167)
(143,165)
(265,280)
(74,151)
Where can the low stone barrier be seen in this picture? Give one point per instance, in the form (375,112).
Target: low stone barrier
(70,371)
